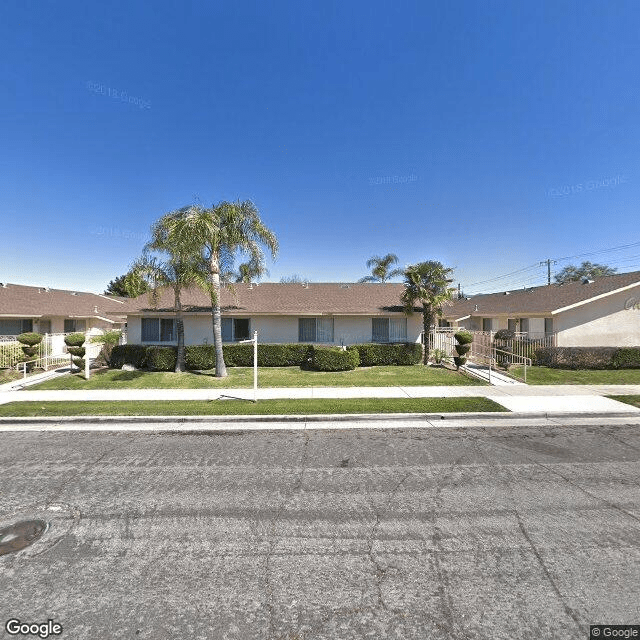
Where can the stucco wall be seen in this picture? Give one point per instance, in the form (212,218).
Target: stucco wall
(602,323)
(280,329)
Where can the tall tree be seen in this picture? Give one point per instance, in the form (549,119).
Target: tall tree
(129,285)
(381,268)
(248,272)
(167,262)
(293,279)
(587,269)
(427,283)
(217,235)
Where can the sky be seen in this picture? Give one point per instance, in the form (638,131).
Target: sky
(488,135)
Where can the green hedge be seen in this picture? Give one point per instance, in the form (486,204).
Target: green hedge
(203,356)
(31,339)
(334,358)
(588,357)
(626,358)
(405,353)
(74,339)
(162,358)
(135,354)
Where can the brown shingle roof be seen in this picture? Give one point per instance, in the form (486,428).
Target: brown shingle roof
(286,299)
(539,300)
(24,301)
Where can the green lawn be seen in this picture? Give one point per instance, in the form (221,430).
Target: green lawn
(632,400)
(242,377)
(243,407)
(544,375)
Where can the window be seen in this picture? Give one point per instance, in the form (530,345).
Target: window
(158,330)
(235,329)
(512,324)
(388,329)
(315,329)
(44,326)
(486,324)
(15,326)
(71,325)
(524,324)
(548,325)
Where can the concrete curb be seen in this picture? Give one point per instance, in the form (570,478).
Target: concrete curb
(342,417)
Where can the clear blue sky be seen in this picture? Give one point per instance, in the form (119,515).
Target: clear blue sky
(487,135)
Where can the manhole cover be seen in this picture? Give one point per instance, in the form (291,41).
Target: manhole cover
(20,535)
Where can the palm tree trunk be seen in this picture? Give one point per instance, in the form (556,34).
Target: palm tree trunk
(221,367)
(180,366)
(427,318)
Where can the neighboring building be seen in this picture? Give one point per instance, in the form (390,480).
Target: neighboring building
(600,312)
(45,310)
(328,313)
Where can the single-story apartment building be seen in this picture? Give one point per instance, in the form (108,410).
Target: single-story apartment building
(600,312)
(52,311)
(326,313)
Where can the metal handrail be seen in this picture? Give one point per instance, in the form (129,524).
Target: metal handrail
(477,350)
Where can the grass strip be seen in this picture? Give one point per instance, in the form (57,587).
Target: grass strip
(242,378)
(547,375)
(632,400)
(244,407)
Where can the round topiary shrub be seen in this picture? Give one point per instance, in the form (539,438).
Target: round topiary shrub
(74,339)
(78,362)
(459,361)
(76,351)
(504,334)
(463,337)
(30,351)
(461,349)
(31,339)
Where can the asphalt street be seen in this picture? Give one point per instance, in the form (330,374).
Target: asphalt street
(478,533)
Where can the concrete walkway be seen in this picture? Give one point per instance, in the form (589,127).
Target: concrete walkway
(581,399)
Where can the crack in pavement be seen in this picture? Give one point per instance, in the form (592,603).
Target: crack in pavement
(547,574)
(380,570)
(273,541)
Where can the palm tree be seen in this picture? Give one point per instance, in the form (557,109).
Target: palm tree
(380,271)
(427,283)
(177,273)
(216,235)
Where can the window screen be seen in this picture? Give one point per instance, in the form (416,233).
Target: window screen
(167,330)
(306,330)
(380,329)
(227,329)
(150,330)
(548,325)
(11,327)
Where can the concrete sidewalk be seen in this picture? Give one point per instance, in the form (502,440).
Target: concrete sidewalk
(582,399)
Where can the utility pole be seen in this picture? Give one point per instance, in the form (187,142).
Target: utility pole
(549,262)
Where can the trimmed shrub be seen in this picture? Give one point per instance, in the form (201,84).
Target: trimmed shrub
(576,357)
(461,349)
(76,351)
(74,339)
(162,358)
(134,354)
(30,351)
(334,358)
(504,334)
(282,355)
(200,357)
(404,353)
(78,362)
(463,337)
(459,361)
(626,358)
(30,339)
